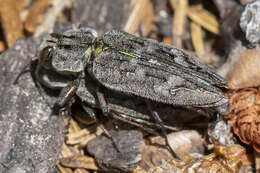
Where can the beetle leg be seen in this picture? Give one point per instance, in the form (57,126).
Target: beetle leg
(159,121)
(141,123)
(89,111)
(132,122)
(93,115)
(67,93)
(102,101)
(38,83)
(65,99)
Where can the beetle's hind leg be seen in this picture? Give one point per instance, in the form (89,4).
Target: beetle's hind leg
(132,122)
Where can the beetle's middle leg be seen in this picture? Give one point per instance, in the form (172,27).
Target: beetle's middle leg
(105,110)
(160,122)
(93,116)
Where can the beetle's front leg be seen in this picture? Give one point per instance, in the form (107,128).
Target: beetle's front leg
(67,93)
(39,82)
(65,99)
(102,101)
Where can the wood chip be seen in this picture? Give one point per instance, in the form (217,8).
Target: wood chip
(10,21)
(64,170)
(80,161)
(78,170)
(36,14)
(140,17)
(76,137)
(74,127)
(86,139)
(257,161)
(2,46)
(204,18)
(179,20)
(197,38)
(225,158)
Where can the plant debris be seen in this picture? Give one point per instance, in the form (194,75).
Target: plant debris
(224,159)
(244,114)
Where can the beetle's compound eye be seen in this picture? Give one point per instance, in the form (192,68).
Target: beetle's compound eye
(46,56)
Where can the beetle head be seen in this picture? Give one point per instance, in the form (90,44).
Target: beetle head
(71,50)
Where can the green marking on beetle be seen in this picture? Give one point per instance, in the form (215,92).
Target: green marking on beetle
(129,54)
(99,48)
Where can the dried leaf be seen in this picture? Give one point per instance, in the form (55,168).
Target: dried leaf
(139,170)
(224,159)
(76,137)
(70,151)
(139,16)
(197,38)
(78,170)
(86,139)
(64,170)
(79,161)
(10,21)
(179,20)
(36,14)
(204,18)
(165,167)
(48,20)
(74,126)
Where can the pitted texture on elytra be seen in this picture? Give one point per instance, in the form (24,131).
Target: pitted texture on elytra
(155,71)
(148,82)
(165,55)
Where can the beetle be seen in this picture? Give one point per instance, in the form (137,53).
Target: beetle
(136,66)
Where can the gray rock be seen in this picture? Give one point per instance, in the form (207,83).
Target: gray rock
(107,155)
(250,21)
(31,139)
(101,15)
